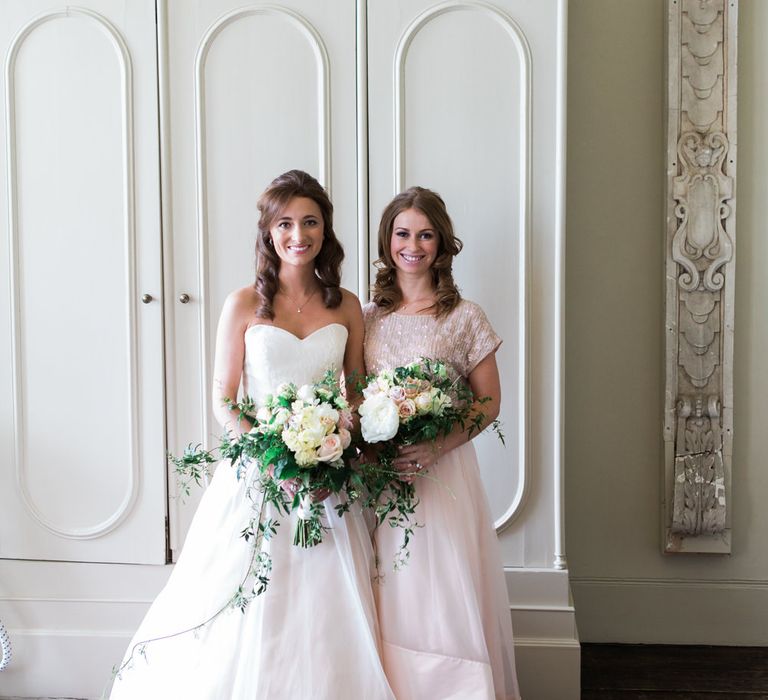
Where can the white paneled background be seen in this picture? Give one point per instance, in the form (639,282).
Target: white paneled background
(138,136)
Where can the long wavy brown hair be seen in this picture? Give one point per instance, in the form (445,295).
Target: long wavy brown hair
(386,292)
(295,183)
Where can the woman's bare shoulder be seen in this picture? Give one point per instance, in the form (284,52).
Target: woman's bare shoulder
(349,301)
(241,302)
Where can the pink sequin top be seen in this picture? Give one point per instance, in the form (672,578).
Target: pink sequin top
(461,339)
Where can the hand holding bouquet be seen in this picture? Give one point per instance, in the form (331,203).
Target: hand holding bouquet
(418,403)
(301,434)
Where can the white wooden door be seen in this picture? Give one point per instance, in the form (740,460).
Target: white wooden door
(451,107)
(248,93)
(82,466)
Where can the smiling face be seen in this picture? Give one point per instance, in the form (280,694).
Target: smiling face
(297,232)
(414,243)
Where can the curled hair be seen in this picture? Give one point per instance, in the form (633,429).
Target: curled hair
(386,292)
(295,183)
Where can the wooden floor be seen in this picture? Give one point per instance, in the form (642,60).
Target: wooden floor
(656,672)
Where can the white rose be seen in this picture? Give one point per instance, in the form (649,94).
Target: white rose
(379,420)
(346,437)
(423,402)
(397,394)
(328,415)
(263,414)
(307,394)
(371,390)
(311,430)
(330,448)
(282,415)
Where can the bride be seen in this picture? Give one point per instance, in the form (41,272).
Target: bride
(313,633)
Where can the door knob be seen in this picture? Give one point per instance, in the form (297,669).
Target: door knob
(184,298)
(146,298)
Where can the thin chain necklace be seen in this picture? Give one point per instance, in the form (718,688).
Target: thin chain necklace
(401,307)
(293,301)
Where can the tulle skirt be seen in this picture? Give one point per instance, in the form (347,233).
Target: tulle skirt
(312,634)
(444,617)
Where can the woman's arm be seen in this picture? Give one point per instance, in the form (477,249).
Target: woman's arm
(354,364)
(484,381)
(230,352)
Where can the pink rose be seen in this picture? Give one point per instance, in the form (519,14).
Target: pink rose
(346,438)
(330,448)
(397,394)
(407,409)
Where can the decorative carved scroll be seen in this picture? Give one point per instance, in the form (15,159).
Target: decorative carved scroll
(699,495)
(701,167)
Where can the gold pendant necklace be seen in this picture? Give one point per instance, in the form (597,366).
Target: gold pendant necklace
(298,307)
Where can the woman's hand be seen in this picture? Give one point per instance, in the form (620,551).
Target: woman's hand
(412,459)
(291,486)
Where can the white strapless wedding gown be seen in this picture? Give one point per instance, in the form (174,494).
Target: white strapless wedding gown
(313,634)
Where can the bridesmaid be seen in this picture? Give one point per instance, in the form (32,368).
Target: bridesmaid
(444,617)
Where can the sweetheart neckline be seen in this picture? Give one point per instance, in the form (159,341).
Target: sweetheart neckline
(293,335)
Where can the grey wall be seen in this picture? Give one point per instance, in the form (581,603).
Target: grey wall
(625,590)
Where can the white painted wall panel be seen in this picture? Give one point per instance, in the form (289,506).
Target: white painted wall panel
(465,71)
(255,91)
(464,99)
(85,478)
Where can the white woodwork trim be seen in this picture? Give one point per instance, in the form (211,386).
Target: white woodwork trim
(123,55)
(75,601)
(560,561)
(77,663)
(170,293)
(517,35)
(721,584)
(363,250)
(324,156)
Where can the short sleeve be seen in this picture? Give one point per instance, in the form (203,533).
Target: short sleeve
(480,337)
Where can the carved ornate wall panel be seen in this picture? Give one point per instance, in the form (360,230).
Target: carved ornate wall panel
(700,274)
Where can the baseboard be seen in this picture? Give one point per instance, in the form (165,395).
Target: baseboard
(54,663)
(547,650)
(672,611)
(66,644)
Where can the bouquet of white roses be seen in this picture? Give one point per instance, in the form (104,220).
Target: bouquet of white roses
(300,437)
(301,434)
(404,406)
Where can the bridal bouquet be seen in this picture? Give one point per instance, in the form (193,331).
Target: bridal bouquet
(301,436)
(405,406)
